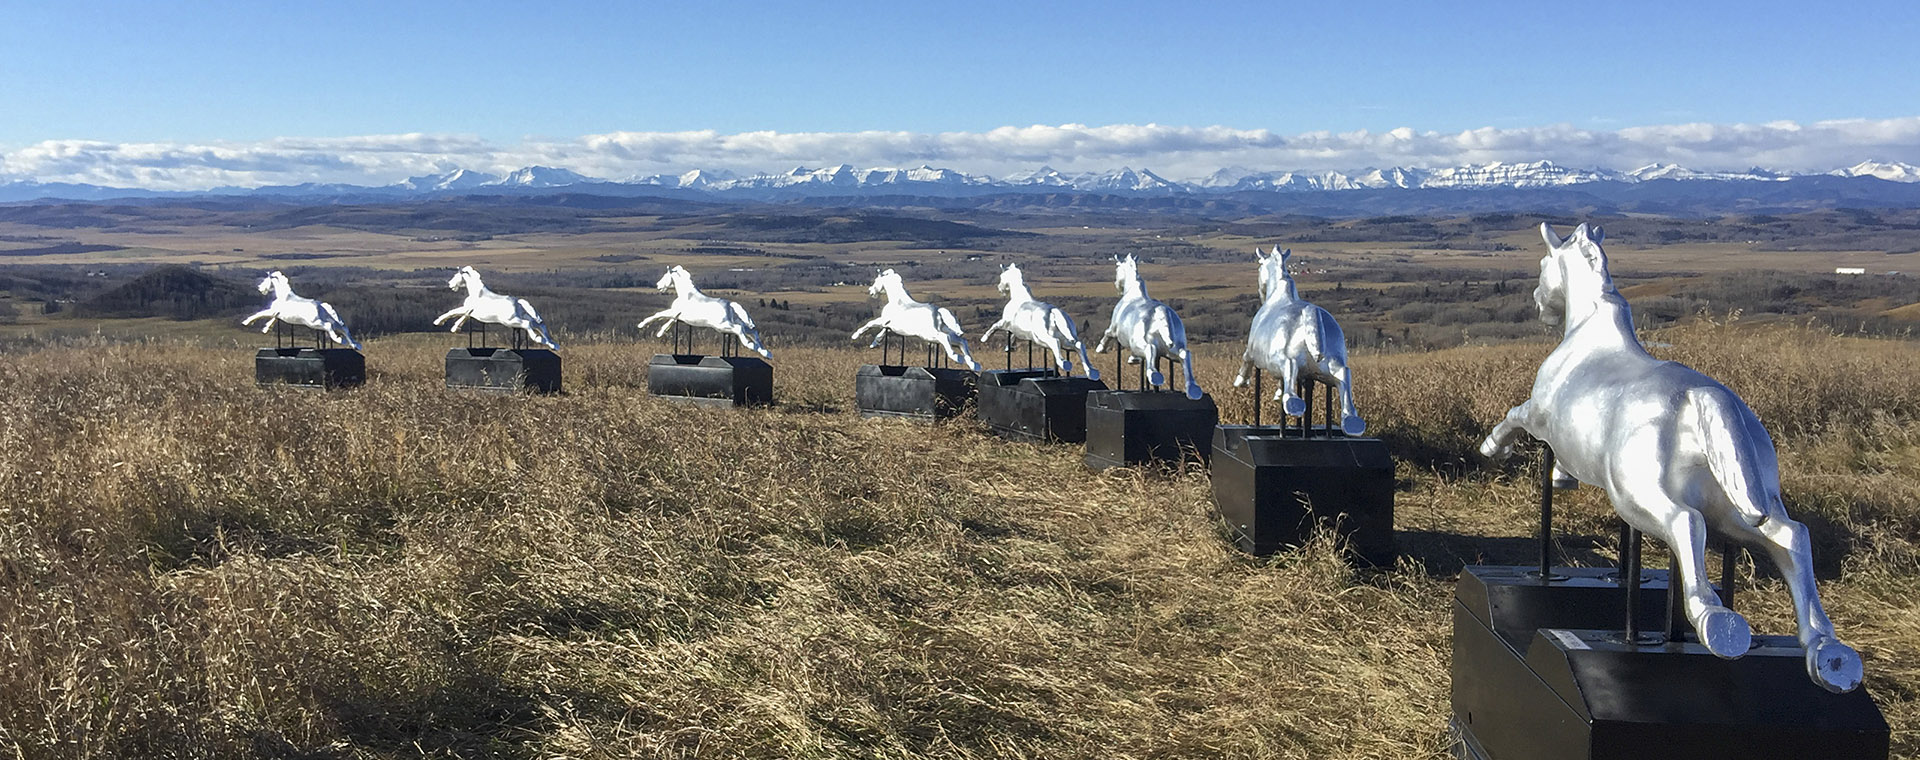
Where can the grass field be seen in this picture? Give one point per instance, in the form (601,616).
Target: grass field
(193,567)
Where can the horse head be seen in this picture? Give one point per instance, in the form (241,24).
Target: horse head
(1009,277)
(466,277)
(1273,270)
(272,281)
(1125,270)
(1575,263)
(674,272)
(886,279)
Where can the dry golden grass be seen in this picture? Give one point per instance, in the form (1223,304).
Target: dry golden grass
(190,566)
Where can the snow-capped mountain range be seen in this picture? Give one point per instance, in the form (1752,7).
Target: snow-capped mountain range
(846,180)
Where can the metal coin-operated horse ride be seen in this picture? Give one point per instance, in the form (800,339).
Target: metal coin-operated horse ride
(726,379)
(1149,423)
(1273,485)
(334,359)
(1032,402)
(924,392)
(1568,662)
(517,366)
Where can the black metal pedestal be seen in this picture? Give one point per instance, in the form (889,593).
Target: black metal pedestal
(711,380)
(1272,488)
(923,393)
(1540,671)
(1135,427)
(504,369)
(1035,404)
(317,368)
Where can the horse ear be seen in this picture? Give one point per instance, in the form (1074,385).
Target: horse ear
(1553,240)
(1284,254)
(1595,234)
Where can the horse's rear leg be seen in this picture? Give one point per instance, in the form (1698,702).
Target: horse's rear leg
(1723,631)
(1833,665)
(1288,393)
(1155,377)
(1350,422)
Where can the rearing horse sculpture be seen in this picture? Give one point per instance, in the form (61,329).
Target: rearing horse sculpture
(912,318)
(1148,329)
(1678,453)
(1039,322)
(701,310)
(1294,339)
(487,306)
(291,307)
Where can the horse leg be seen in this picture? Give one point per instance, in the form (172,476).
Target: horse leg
(990,328)
(1101,347)
(1833,665)
(667,325)
(1723,631)
(872,323)
(662,314)
(461,321)
(449,315)
(272,320)
(1288,392)
(1245,375)
(1499,443)
(257,315)
(1052,344)
(1350,422)
(1155,377)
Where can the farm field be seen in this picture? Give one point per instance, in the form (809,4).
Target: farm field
(192,566)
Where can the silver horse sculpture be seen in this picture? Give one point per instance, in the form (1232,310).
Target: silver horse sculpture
(1678,453)
(1148,329)
(1295,339)
(487,306)
(1039,322)
(925,321)
(291,307)
(701,310)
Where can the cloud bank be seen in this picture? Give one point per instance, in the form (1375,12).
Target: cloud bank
(1173,151)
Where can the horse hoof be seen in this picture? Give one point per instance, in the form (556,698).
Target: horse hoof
(1156,379)
(1353,426)
(1724,632)
(1194,393)
(1093,374)
(1833,665)
(1239,381)
(1494,451)
(1294,406)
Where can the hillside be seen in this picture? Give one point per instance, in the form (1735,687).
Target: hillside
(175,292)
(197,567)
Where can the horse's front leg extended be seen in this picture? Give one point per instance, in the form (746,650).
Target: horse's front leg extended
(272,319)
(257,315)
(1833,665)
(667,325)
(879,322)
(461,321)
(450,315)
(1101,347)
(1245,375)
(1499,443)
(990,328)
(662,314)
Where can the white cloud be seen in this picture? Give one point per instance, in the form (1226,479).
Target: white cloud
(1172,151)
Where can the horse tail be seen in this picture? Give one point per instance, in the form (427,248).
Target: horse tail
(1063,325)
(1739,453)
(741,314)
(947,320)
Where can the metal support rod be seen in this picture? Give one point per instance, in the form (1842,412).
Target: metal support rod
(1257,396)
(1008,349)
(1630,581)
(1119,376)
(1546,513)
(1728,562)
(1326,408)
(1676,616)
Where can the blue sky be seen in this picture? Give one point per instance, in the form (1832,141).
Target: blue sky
(510,74)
